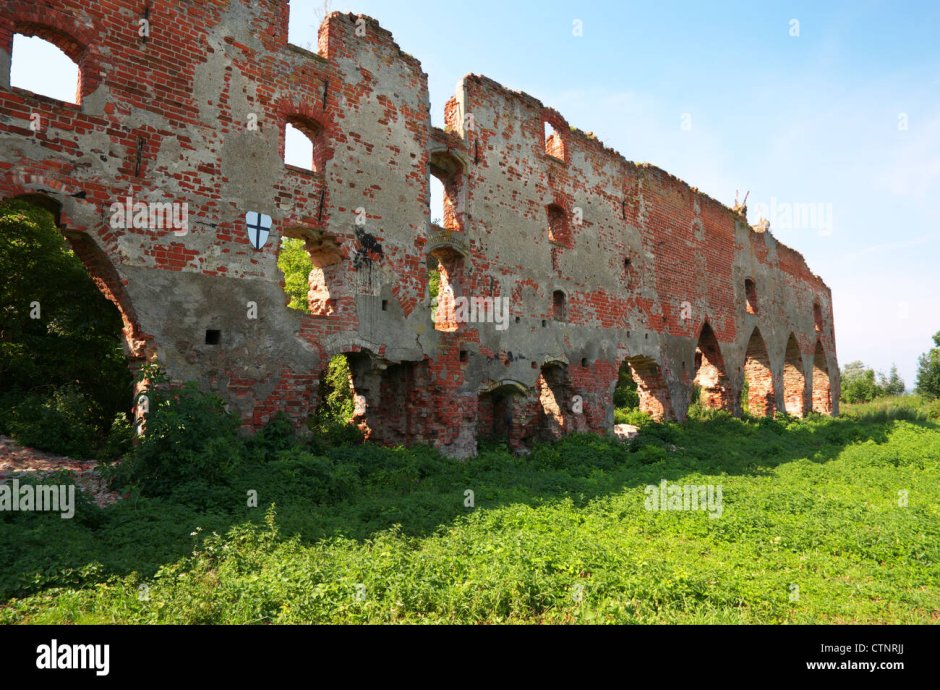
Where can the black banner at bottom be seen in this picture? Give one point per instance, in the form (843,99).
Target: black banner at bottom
(465,654)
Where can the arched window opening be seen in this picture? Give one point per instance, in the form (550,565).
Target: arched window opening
(750,295)
(559,306)
(648,390)
(558,230)
(710,378)
(445,289)
(68,343)
(554,144)
(302,144)
(315,276)
(437,202)
(561,411)
(446,176)
(507,413)
(296,265)
(40,66)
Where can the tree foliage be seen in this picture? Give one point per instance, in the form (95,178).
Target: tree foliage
(336,392)
(60,338)
(861,384)
(625,394)
(892,384)
(295,264)
(928,371)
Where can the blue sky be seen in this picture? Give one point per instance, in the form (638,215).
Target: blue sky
(841,111)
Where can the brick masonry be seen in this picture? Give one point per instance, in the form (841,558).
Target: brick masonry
(603,262)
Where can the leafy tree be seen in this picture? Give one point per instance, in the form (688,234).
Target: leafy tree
(60,338)
(928,371)
(863,384)
(858,383)
(892,384)
(295,263)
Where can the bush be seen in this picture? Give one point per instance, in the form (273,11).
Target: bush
(632,416)
(331,423)
(62,422)
(336,392)
(277,435)
(120,439)
(626,394)
(332,434)
(932,409)
(188,435)
(315,478)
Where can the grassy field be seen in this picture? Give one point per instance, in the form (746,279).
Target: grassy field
(822,521)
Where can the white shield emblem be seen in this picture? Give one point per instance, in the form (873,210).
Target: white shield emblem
(259,228)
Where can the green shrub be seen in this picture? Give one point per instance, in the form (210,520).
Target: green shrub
(188,435)
(277,435)
(332,434)
(626,394)
(907,407)
(61,422)
(932,409)
(632,416)
(336,393)
(120,439)
(331,422)
(318,479)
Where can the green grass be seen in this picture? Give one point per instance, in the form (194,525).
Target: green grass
(365,534)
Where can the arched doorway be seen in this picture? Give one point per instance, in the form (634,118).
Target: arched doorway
(822,387)
(710,377)
(502,413)
(759,400)
(651,387)
(561,411)
(794,381)
(67,342)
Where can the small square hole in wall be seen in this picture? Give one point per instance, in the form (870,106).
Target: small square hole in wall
(213,337)
(463,355)
(626,263)
(544,323)
(584,362)
(384,305)
(518,319)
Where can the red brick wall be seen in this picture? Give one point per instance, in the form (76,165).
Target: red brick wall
(643,259)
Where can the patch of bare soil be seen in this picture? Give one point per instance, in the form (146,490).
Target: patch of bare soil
(17,461)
